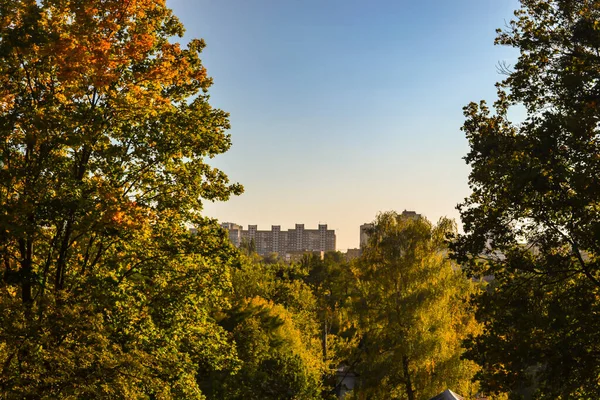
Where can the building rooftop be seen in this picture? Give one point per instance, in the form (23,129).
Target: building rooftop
(447,395)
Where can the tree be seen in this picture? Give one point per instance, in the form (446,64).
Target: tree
(278,359)
(533,218)
(273,323)
(104,129)
(412,312)
(331,281)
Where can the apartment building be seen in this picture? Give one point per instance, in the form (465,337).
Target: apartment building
(235,232)
(283,242)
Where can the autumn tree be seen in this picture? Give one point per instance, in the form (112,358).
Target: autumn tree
(105,127)
(273,321)
(330,279)
(411,311)
(533,218)
(277,359)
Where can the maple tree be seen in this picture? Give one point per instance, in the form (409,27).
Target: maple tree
(105,126)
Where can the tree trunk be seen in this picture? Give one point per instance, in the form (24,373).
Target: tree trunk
(407,381)
(325,338)
(25,247)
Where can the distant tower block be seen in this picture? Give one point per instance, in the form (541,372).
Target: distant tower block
(283,242)
(411,215)
(364,234)
(235,232)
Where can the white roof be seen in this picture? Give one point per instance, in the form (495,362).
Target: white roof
(447,395)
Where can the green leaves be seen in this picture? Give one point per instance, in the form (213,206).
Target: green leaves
(411,311)
(532,218)
(105,128)
(273,324)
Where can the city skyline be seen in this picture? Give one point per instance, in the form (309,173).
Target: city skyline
(344,109)
(292,225)
(237,234)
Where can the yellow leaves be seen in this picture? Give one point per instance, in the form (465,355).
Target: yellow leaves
(11,291)
(6,102)
(285,335)
(412,303)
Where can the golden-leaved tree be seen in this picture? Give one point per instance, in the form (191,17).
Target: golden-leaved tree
(411,312)
(273,322)
(105,126)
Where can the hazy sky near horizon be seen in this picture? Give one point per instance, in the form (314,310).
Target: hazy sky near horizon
(341,109)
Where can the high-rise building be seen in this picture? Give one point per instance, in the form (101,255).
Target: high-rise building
(410,215)
(352,254)
(364,234)
(283,242)
(235,232)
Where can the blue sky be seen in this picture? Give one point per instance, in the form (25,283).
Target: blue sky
(341,109)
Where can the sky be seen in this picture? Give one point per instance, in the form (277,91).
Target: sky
(341,109)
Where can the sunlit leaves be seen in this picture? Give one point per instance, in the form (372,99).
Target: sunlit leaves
(412,312)
(532,219)
(105,127)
